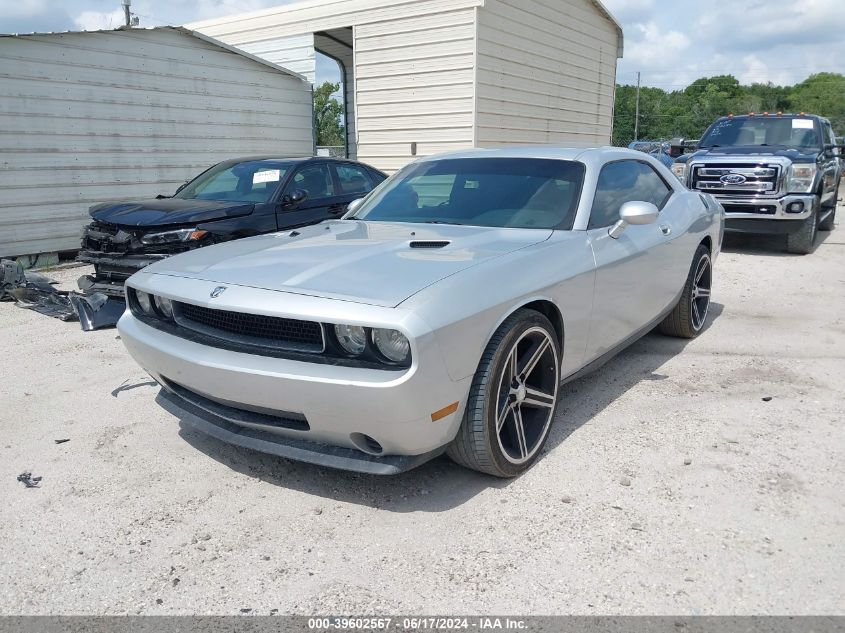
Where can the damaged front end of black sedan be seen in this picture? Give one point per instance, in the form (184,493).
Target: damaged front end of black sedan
(233,199)
(124,238)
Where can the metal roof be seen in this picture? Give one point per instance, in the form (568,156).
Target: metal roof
(180,29)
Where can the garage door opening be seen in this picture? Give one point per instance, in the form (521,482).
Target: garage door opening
(337,45)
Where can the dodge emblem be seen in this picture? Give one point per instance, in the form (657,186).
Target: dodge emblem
(733,179)
(219,290)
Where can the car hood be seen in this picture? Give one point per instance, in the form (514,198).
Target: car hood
(168,211)
(795,155)
(377,263)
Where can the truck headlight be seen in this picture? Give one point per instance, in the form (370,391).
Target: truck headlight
(680,170)
(179,235)
(801,178)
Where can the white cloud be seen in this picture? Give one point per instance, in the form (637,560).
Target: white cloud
(96,20)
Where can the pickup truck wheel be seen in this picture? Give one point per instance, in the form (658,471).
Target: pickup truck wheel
(801,242)
(687,318)
(512,399)
(829,222)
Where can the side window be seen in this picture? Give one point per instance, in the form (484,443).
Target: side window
(625,181)
(353,179)
(315,179)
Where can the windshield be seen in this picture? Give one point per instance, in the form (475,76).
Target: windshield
(249,181)
(792,132)
(501,192)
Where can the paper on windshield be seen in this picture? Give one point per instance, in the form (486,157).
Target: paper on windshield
(267,175)
(802,124)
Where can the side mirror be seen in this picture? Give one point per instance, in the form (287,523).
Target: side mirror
(353,206)
(295,197)
(676,147)
(634,212)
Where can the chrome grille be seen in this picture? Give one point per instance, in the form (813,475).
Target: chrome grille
(257,330)
(759,180)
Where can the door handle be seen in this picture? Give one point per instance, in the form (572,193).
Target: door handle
(665,229)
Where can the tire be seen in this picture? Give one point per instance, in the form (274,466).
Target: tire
(829,222)
(688,317)
(801,242)
(509,412)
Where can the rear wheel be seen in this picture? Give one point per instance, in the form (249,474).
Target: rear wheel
(801,242)
(689,315)
(512,399)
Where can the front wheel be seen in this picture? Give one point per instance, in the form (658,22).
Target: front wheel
(687,318)
(512,399)
(829,222)
(801,241)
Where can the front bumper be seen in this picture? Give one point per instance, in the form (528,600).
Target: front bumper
(766,215)
(113,269)
(261,402)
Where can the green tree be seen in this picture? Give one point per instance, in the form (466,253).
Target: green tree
(822,93)
(688,112)
(328,113)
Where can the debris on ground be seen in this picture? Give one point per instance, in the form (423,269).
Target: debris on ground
(12,275)
(96,310)
(687,461)
(28,480)
(62,441)
(35,292)
(767,398)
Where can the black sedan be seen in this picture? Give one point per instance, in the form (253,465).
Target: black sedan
(233,199)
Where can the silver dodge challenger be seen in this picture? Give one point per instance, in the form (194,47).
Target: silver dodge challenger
(440,314)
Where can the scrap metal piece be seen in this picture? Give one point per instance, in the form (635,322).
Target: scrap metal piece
(28,480)
(96,310)
(52,302)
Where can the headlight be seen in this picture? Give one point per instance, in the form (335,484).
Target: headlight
(801,178)
(165,306)
(680,170)
(179,235)
(352,338)
(145,300)
(392,344)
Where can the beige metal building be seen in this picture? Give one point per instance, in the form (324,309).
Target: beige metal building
(114,115)
(426,76)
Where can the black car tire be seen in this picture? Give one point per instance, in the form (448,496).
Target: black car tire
(801,242)
(688,317)
(489,439)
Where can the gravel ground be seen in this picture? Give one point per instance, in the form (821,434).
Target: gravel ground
(699,477)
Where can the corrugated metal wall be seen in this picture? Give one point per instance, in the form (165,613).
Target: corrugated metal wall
(93,117)
(546,72)
(415,85)
(413,67)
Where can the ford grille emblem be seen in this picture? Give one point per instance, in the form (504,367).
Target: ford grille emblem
(219,290)
(733,179)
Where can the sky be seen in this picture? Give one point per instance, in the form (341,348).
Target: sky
(671,42)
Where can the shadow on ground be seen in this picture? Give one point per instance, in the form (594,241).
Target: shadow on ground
(764,245)
(440,484)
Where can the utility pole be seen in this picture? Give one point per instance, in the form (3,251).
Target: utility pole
(126,13)
(636,113)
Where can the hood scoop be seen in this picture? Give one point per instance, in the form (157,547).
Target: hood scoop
(429,243)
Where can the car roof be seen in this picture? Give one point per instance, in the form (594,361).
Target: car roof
(290,159)
(770,115)
(558,152)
